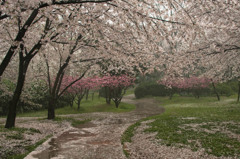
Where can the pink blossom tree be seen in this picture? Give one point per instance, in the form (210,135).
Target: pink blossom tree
(83,86)
(116,87)
(193,84)
(77,90)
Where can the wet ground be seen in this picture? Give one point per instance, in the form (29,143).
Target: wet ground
(98,139)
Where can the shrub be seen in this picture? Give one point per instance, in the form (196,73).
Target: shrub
(37,93)
(140,91)
(150,89)
(6,89)
(233,85)
(34,96)
(224,89)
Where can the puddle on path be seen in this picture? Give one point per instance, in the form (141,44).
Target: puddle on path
(56,144)
(89,142)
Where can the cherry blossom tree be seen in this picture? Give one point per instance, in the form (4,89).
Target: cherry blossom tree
(22,17)
(77,90)
(194,84)
(178,37)
(31,12)
(83,86)
(23,66)
(116,87)
(13,15)
(55,91)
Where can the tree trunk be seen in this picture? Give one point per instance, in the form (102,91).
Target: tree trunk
(108,100)
(51,108)
(7,58)
(72,100)
(215,91)
(79,102)
(117,94)
(71,103)
(54,91)
(23,65)
(87,92)
(238,91)
(117,103)
(99,94)
(11,114)
(107,95)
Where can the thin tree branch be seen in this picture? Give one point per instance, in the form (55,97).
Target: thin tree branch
(72,83)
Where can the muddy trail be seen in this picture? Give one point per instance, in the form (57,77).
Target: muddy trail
(98,139)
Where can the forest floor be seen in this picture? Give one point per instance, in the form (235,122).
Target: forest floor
(99,137)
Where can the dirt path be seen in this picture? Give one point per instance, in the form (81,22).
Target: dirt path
(98,139)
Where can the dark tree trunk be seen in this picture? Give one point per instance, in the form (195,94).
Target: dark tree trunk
(51,108)
(116,103)
(87,93)
(215,91)
(72,96)
(11,114)
(99,94)
(238,91)
(71,103)
(80,97)
(23,65)
(108,95)
(117,95)
(79,102)
(7,58)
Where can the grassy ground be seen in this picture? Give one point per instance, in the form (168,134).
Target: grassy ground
(17,135)
(28,149)
(87,106)
(199,123)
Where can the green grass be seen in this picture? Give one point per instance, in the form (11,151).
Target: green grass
(87,106)
(18,130)
(17,133)
(128,134)
(29,149)
(199,123)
